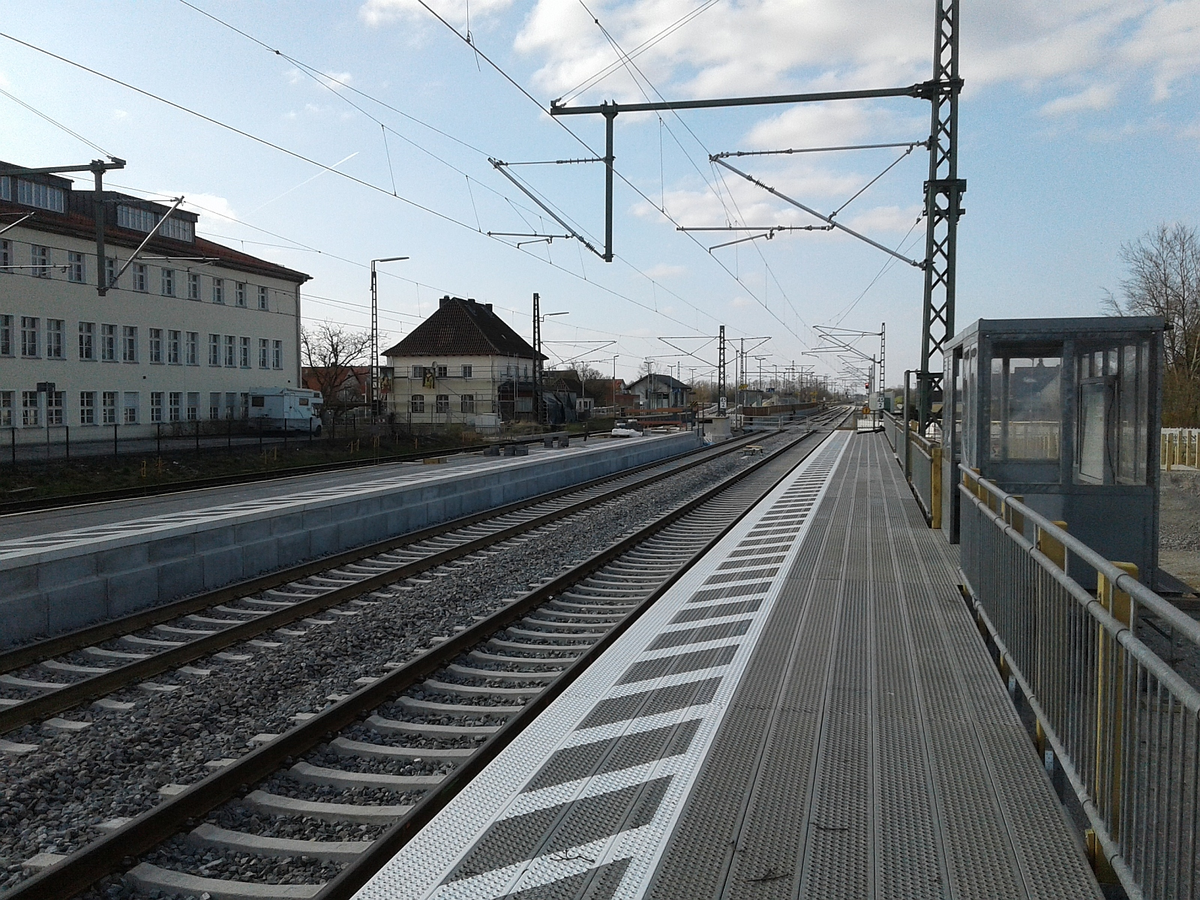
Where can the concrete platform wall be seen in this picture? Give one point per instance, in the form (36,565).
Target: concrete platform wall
(50,591)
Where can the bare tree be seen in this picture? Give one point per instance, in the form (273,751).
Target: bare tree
(330,353)
(1164,280)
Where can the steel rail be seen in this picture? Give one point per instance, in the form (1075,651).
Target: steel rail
(75,693)
(108,854)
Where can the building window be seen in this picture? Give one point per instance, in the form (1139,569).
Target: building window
(264,353)
(193,407)
(277,354)
(33,193)
(239,293)
(130,407)
(178,229)
(109,410)
(75,267)
(230,401)
(29,335)
(110,271)
(467,403)
(136,219)
(40,257)
(441,371)
(176,404)
(129,343)
(139,277)
(156,345)
(193,286)
(108,343)
(262,298)
(87,340)
(244,405)
(6,335)
(229,351)
(6,409)
(30,409)
(156,406)
(193,348)
(54,407)
(6,259)
(54,339)
(87,407)
(168,282)
(466,371)
(214,349)
(443,403)
(418,372)
(214,404)
(417,403)
(244,352)
(173,348)
(218,290)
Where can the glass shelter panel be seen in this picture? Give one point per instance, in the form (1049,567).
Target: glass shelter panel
(1112,445)
(1026,407)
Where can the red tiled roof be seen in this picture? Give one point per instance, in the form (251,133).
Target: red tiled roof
(80,226)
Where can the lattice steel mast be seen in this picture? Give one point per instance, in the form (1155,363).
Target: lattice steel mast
(943,199)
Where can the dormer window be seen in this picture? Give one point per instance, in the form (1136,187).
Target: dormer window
(138,219)
(32,193)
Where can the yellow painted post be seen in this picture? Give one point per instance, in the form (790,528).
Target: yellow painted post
(1051,547)
(1014,518)
(935,488)
(1110,697)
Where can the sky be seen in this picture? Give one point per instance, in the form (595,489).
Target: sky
(321,135)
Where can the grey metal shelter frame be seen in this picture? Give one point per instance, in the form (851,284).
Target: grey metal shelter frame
(1065,413)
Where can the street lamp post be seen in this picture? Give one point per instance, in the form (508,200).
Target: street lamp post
(373,385)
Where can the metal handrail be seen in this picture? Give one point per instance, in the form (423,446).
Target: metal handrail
(1180,621)
(1123,726)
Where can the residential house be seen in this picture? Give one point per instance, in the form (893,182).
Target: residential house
(462,366)
(658,391)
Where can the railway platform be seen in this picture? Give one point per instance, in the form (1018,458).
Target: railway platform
(65,568)
(808,713)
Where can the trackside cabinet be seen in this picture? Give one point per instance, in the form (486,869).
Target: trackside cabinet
(1066,413)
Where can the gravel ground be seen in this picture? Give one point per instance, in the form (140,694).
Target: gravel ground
(1179,525)
(51,799)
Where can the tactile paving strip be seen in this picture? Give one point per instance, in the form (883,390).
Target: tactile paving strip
(558,802)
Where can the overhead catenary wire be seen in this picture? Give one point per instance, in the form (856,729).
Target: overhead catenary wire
(56,123)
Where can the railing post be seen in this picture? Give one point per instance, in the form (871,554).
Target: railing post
(935,487)
(1012,517)
(1052,548)
(1110,701)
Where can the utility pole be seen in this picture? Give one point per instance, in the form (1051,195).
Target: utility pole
(943,206)
(97,167)
(373,386)
(721,402)
(537,360)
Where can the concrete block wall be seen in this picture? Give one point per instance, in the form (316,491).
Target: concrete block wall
(46,592)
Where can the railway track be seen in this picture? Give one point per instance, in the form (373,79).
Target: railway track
(53,676)
(379,763)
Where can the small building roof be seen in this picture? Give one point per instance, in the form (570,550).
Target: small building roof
(463,328)
(660,382)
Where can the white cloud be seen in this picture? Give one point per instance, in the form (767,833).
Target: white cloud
(119,115)
(772,46)
(1094,98)
(741,302)
(884,219)
(663,270)
(4,82)
(384,12)
(214,211)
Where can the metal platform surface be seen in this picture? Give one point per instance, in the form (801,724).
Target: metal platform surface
(808,713)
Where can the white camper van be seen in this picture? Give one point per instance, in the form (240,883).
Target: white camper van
(290,409)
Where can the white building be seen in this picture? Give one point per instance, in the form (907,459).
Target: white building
(185,334)
(462,366)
